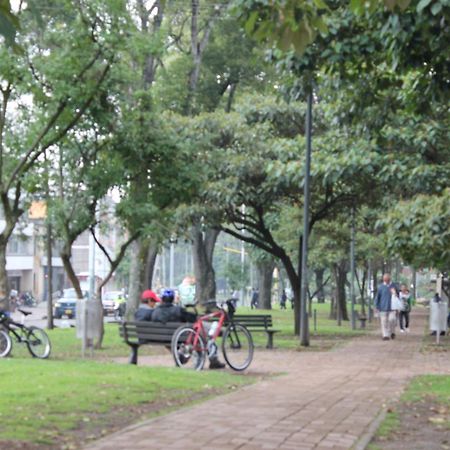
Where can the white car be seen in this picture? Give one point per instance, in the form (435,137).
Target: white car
(109,301)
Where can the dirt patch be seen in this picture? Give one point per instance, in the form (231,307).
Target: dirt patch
(421,425)
(95,426)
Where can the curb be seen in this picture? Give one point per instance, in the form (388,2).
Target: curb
(365,439)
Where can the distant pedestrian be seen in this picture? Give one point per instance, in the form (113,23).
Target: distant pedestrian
(283,300)
(405,299)
(255,299)
(384,306)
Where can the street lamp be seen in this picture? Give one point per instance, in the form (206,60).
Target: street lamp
(304,326)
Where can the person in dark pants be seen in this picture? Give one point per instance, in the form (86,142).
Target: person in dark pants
(255,299)
(168,312)
(283,300)
(405,299)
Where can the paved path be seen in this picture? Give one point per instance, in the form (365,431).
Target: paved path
(325,401)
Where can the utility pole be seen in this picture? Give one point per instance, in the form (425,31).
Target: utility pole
(50,323)
(171,263)
(304,326)
(91,266)
(352,268)
(163,267)
(242,261)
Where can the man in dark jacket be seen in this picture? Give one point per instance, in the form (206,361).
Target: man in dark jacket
(168,312)
(148,302)
(383,304)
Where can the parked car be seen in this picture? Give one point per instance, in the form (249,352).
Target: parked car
(109,301)
(66,305)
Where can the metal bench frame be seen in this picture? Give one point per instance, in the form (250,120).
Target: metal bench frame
(258,323)
(140,333)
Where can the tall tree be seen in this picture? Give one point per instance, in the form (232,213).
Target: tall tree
(59,70)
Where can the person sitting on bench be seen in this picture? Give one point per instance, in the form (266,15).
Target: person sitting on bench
(168,312)
(148,303)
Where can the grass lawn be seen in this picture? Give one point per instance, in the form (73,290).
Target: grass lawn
(50,402)
(421,419)
(65,346)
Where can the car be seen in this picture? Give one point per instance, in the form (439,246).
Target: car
(109,301)
(66,304)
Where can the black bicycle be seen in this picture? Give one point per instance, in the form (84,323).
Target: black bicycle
(36,339)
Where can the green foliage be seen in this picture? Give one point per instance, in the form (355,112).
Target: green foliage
(236,277)
(419,230)
(291,23)
(9,23)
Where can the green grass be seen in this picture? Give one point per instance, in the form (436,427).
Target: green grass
(435,387)
(431,390)
(43,400)
(65,345)
(328,332)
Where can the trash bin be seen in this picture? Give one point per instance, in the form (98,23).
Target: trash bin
(438,316)
(88,316)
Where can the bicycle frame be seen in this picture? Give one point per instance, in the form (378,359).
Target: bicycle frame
(17,329)
(200,329)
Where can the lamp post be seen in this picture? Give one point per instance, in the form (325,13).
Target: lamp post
(304,326)
(172,241)
(352,268)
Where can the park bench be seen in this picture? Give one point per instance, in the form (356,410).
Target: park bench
(136,334)
(362,320)
(258,323)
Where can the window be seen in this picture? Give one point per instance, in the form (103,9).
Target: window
(19,246)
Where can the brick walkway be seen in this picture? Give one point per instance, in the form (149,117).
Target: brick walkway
(325,400)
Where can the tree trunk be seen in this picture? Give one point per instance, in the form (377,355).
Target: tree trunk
(4,287)
(203,251)
(265,279)
(150,265)
(319,285)
(363,291)
(296,291)
(66,256)
(375,281)
(333,311)
(139,254)
(340,275)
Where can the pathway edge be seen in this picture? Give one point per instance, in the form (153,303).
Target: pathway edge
(365,439)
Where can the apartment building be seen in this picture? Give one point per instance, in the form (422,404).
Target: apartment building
(26,257)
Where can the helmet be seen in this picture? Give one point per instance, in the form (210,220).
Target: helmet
(168,295)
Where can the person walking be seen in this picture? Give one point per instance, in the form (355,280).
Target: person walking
(255,299)
(384,307)
(283,300)
(405,300)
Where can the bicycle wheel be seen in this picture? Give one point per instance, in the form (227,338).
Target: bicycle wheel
(5,344)
(237,346)
(38,343)
(185,353)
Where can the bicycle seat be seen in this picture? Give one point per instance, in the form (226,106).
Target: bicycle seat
(25,313)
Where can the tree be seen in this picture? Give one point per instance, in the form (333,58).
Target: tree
(63,80)
(419,230)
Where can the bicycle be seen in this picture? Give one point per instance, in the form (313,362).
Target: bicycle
(36,339)
(192,343)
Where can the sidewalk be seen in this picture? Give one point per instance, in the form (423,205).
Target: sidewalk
(325,401)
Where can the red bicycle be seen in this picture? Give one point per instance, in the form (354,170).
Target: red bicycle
(192,343)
